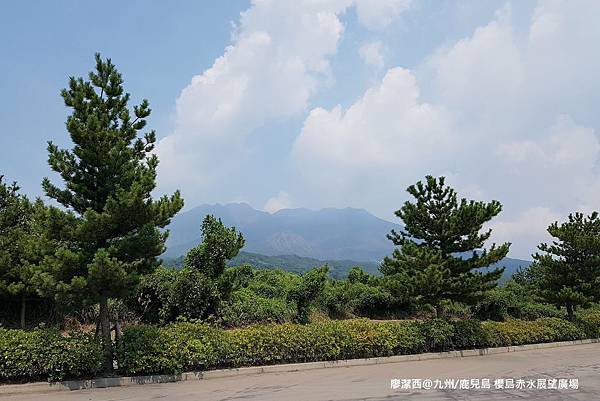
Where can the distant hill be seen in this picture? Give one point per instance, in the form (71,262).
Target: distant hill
(298,239)
(326,234)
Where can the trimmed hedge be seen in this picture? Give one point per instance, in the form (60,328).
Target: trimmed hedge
(47,355)
(188,346)
(142,350)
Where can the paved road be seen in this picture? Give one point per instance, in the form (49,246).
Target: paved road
(373,383)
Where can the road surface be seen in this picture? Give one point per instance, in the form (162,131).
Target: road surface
(553,367)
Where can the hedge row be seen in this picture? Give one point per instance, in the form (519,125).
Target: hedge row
(187,346)
(48,355)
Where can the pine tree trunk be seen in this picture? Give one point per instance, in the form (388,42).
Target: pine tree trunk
(569,311)
(23,310)
(105,335)
(439,311)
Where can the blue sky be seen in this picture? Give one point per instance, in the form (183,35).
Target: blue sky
(329,103)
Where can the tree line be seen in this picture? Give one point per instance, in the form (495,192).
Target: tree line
(101,239)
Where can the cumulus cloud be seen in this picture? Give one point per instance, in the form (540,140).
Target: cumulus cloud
(281,201)
(380,13)
(278,59)
(377,141)
(372,54)
(502,121)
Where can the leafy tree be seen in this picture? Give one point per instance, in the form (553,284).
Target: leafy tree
(567,272)
(311,286)
(204,282)
(109,176)
(16,276)
(219,244)
(440,251)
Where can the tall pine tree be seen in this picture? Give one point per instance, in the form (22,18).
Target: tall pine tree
(567,271)
(109,175)
(440,252)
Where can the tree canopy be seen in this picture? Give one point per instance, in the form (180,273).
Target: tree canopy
(109,176)
(441,251)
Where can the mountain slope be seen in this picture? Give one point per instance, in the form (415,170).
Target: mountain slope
(331,234)
(337,268)
(298,239)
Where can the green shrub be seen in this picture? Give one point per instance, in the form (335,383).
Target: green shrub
(534,310)
(438,334)
(184,346)
(469,334)
(518,332)
(178,347)
(589,321)
(47,355)
(246,307)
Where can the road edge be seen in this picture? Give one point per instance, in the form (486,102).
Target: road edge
(105,382)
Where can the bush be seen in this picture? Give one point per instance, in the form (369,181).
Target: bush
(469,334)
(178,347)
(589,321)
(47,355)
(246,307)
(534,310)
(518,332)
(184,346)
(438,334)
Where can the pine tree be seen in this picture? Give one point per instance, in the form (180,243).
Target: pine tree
(440,252)
(109,175)
(567,273)
(16,278)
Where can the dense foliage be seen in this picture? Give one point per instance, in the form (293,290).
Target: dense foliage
(186,346)
(109,176)
(432,261)
(48,355)
(567,272)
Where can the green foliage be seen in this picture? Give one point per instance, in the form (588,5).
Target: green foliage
(589,321)
(567,272)
(310,287)
(187,346)
(147,350)
(518,332)
(178,347)
(47,355)
(246,307)
(438,334)
(152,300)
(469,334)
(109,176)
(219,244)
(361,295)
(430,264)
(194,295)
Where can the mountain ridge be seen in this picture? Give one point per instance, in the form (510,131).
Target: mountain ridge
(295,239)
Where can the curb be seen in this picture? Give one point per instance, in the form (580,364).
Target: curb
(104,382)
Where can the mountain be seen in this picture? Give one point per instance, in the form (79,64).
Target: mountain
(326,234)
(298,239)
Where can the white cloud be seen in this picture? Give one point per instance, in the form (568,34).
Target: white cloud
(502,121)
(529,226)
(372,54)
(349,155)
(278,59)
(376,14)
(281,201)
